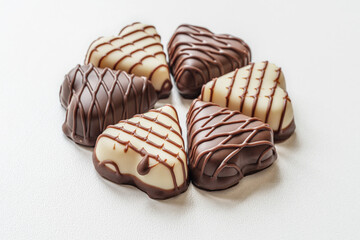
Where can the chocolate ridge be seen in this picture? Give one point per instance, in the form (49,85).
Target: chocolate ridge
(216,184)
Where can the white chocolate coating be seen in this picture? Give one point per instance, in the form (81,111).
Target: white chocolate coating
(137,49)
(255,90)
(157,127)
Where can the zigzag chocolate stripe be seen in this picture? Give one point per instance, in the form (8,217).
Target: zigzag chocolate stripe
(142,133)
(99,97)
(253,90)
(128,51)
(197,55)
(224,146)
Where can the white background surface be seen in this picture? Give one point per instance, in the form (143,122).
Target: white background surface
(49,188)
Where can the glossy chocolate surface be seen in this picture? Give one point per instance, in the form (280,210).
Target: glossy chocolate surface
(95,98)
(224,146)
(197,55)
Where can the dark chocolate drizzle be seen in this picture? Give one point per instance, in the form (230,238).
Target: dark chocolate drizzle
(242,97)
(143,167)
(97,97)
(224,146)
(258,89)
(166,86)
(197,55)
(285,133)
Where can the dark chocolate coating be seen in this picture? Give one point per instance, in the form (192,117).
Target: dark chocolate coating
(120,178)
(283,134)
(224,146)
(197,55)
(96,98)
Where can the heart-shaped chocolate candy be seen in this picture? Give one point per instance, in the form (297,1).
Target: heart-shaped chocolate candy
(138,50)
(255,90)
(224,145)
(197,55)
(95,97)
(146,151)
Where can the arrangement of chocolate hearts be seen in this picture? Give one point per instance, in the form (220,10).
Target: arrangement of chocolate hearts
(240,110)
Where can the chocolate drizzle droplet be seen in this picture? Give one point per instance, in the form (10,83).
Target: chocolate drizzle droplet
(143,166)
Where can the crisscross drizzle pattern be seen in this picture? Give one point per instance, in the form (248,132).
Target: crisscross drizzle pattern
(99,97)
(220,139)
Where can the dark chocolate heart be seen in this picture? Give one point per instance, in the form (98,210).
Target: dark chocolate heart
(224,145)
(95,98)
(197,55)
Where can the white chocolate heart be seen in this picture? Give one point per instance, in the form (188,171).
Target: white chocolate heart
(255,90)
(138,50)
(148,149)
